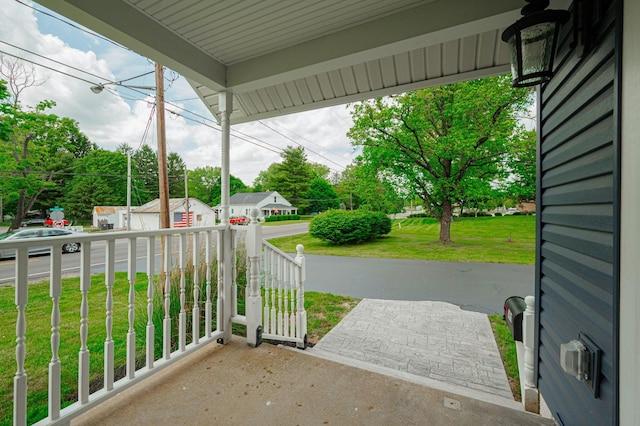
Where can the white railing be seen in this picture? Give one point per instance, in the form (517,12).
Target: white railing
(188,261)
(274,299)
(284,316)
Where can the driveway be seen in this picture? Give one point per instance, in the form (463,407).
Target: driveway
(479,287)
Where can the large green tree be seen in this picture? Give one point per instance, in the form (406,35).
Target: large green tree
(360,186)
(37,152)
(321,196)
(176,168)
(291,178)
(434,141)
(521,185)
(100,179)
(145,171)
(205,184)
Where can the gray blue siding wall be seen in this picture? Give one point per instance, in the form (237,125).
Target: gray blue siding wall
(578,223)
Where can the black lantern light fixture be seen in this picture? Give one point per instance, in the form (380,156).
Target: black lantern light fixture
(532,43)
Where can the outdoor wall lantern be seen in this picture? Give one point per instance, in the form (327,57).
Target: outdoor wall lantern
(532,43)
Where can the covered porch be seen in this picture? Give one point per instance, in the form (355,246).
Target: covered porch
(260,59)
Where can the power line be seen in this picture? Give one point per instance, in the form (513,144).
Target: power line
(299,144)
(49,68)
(71,24)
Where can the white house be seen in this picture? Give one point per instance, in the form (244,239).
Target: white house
(111,216)
(267,203)
(147,216)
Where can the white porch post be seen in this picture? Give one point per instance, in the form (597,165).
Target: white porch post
(629,391)
(253,308)
(530,399)
(225,102)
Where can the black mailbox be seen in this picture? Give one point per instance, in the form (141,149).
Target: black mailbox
(513,309)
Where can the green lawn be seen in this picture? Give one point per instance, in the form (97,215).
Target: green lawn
(508,239)
(508,353)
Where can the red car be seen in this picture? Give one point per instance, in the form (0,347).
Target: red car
(239,220)
(50,222)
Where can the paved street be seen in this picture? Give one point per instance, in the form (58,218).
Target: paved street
(479,287)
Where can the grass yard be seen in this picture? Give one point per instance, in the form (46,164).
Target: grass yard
(507,347)
(508,239)
(38,317)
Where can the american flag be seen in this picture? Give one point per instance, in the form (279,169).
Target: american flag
(180,219)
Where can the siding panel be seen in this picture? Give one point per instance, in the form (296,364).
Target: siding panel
(576,277)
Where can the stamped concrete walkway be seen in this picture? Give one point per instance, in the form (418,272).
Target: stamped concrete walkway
(449,348)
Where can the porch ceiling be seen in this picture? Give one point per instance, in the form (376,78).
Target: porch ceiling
(285,56)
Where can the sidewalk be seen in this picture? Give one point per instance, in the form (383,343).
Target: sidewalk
(432,343)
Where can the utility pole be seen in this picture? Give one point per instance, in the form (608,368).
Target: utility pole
(186,196)
(162,150)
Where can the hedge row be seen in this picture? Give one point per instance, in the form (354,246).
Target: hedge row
(349,227)
(281,217)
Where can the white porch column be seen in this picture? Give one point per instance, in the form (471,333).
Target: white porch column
(629,409)
(225,101)
(253,308)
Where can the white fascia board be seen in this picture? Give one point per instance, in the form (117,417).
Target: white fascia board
(126,25)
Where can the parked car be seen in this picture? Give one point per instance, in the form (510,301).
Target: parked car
(20,234)
(239,220)
(34,222)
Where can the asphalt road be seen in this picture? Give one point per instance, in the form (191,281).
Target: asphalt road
(479,287)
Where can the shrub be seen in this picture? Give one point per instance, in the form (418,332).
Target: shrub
(497,214)
(412,215)
(281,217)
(349,227)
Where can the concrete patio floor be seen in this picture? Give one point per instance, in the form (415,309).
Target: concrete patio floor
(271,385)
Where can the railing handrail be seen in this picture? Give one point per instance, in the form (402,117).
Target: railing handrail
(270,246)
(107,236)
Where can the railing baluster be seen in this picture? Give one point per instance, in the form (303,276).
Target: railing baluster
(166,323)
(234,275)
(195,310)
(292,313)
(83,355)
(151,260)
(301,316)
(109,279)
(267,279)
(208,304)
(285,313)
(20,378)
(274,281)
(182,323)
(131,333)
(55,291)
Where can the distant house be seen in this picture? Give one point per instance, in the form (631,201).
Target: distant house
(267,203)
(109,216)
(147,216)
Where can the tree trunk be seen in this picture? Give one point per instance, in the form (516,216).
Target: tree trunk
(445,222)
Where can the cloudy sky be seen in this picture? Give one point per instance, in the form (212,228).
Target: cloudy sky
(114,117)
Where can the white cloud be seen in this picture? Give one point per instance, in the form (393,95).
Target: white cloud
(109,120)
